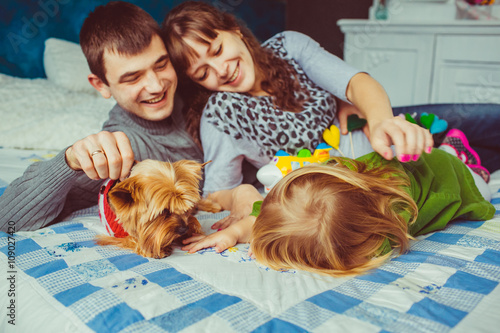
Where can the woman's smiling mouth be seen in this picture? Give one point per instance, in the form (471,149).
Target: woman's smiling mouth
(235,74)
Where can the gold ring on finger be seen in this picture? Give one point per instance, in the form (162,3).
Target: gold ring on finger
(95,152)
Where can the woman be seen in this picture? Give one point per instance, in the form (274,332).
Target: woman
(277,96)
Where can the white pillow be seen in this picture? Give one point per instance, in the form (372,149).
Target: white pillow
(37,114)
(66,66)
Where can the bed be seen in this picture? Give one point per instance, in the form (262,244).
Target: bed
(58,280)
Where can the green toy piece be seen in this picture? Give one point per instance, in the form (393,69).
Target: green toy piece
(354,122)
(304,153)
(409,118)
(427,119)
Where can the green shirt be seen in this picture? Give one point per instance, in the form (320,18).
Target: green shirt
(443,189)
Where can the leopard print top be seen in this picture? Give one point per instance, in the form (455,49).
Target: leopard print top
(257,120)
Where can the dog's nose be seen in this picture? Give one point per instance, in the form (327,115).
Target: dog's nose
(181,230)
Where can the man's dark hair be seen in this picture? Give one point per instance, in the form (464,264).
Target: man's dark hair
(118,27)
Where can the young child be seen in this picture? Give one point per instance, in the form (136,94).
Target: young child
(345,217)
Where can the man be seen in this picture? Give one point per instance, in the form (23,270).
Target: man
(129,62)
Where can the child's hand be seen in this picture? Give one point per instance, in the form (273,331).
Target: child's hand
(233,217)
(239,201)
(221,240)
(250,253)
(237,232)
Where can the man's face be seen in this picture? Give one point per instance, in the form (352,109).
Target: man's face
(142,84)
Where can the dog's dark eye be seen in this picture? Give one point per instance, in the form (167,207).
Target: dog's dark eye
(166,213)
(182,229)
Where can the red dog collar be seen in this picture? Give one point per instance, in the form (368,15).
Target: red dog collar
(106,214)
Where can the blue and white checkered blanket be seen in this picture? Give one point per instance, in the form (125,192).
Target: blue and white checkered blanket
(449,281)
(57,280)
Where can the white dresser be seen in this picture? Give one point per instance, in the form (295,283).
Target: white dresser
(433,61)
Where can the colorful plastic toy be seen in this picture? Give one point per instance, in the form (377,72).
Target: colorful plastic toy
(430,121)
(283,163)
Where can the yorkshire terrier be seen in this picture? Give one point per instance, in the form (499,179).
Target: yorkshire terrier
(153,209)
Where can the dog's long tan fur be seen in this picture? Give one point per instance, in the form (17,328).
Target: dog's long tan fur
(155,206)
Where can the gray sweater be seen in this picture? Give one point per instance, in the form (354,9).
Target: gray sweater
(49,191)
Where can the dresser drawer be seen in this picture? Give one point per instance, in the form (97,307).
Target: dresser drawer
(466,69)
(469,48)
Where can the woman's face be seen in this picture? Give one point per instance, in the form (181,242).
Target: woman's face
(224,65)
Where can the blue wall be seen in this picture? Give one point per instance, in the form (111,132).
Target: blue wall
(26,24)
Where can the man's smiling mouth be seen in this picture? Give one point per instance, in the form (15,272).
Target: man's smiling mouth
(155,100)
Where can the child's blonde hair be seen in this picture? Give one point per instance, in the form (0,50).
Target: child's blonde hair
(333,219)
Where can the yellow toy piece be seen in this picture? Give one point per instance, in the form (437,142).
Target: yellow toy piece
(287,163)
(284,163)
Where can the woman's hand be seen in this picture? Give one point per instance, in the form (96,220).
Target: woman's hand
(410,140)
(344,110)
(370,100)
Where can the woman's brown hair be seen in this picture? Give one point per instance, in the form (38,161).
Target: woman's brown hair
(333,220)
(199,21)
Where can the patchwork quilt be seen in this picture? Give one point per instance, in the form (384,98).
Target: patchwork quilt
(58,279)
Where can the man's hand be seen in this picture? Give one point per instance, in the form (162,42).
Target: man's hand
(102,155)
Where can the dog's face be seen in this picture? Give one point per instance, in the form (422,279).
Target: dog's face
(155,203)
